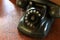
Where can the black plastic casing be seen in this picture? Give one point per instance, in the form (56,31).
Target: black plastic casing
(51,10)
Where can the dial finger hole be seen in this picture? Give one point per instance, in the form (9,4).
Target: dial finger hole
(25,17)
(28,23)
(39,14)
(34,11)
(26,14)
(31,25)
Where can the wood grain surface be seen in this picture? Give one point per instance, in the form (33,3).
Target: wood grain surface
(9,19)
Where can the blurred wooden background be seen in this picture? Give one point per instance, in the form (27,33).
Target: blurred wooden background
(9,19)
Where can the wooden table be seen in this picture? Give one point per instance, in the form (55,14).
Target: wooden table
(9,19)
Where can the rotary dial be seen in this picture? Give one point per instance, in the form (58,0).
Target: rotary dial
(32,18)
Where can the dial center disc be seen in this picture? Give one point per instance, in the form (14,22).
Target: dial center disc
(32,18)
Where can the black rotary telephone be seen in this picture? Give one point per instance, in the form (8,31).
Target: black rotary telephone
(38,17)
